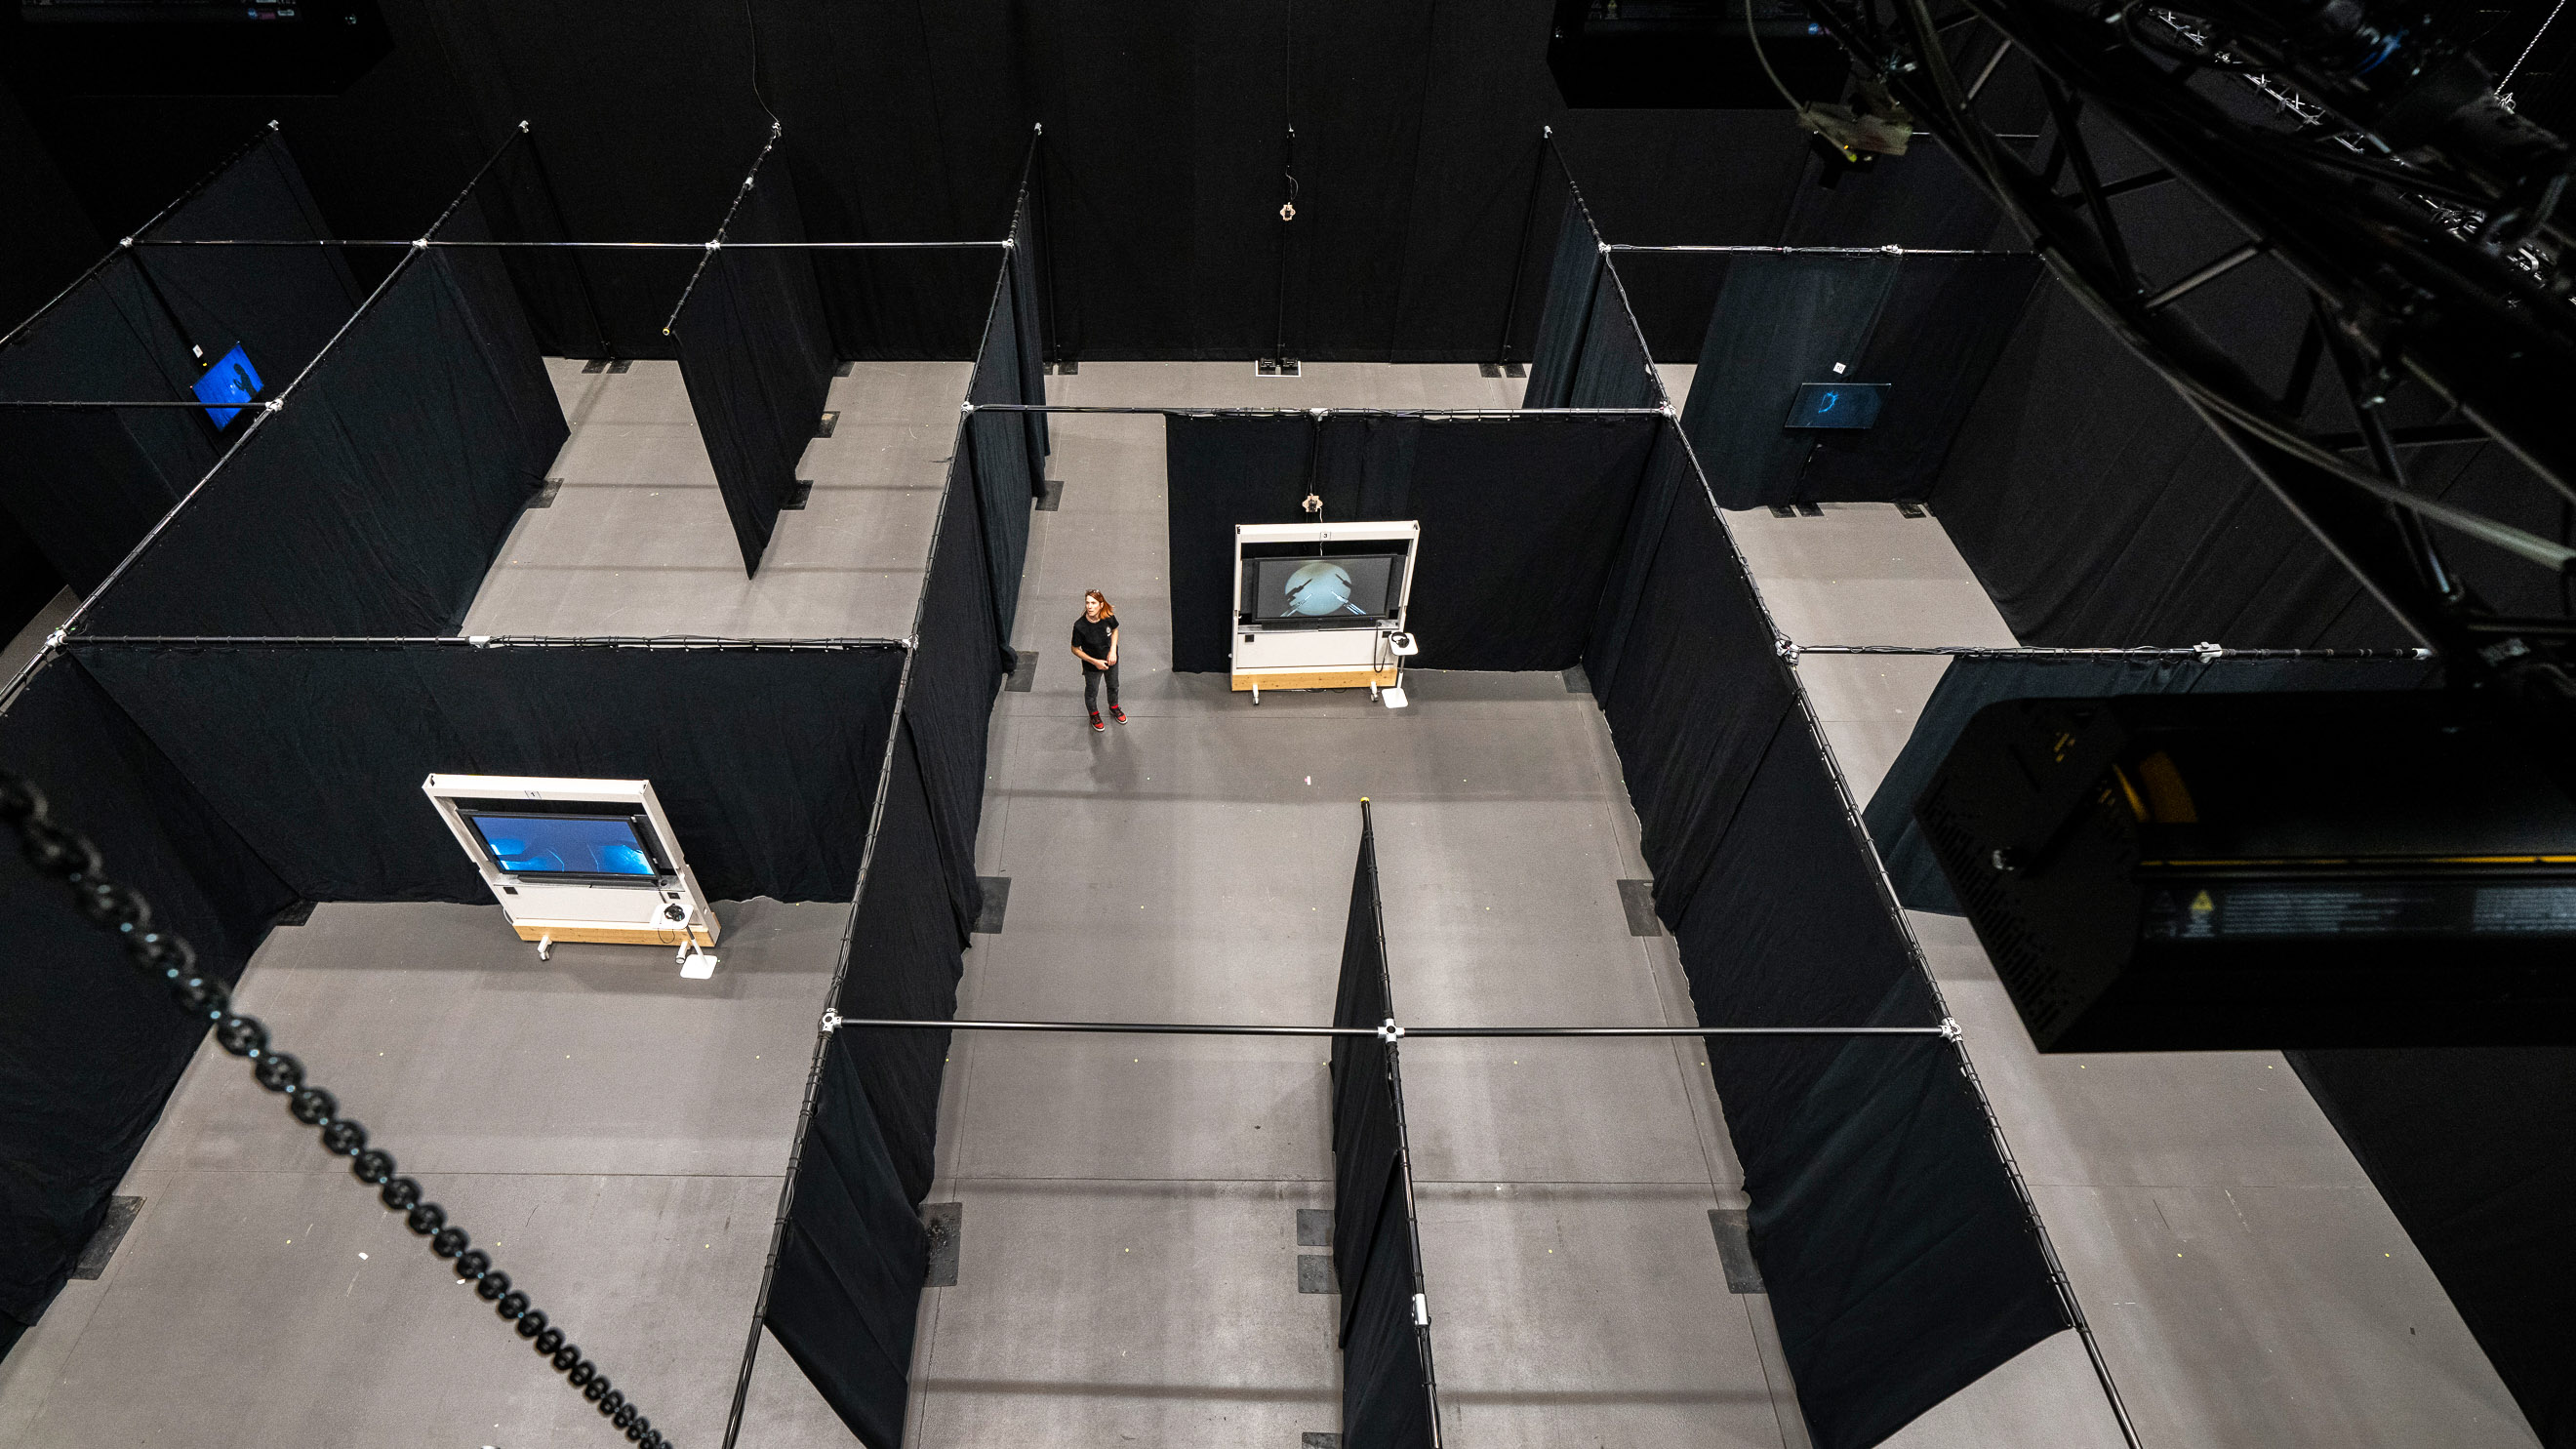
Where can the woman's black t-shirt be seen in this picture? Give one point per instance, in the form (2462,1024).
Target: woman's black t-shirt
(1091,636)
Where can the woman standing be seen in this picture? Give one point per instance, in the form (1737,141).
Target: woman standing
(1095,643)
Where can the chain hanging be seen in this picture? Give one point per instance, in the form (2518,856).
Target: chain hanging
(58,851)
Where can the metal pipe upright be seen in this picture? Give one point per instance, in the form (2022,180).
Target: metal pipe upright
(750,178)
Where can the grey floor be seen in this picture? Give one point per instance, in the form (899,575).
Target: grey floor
(1129,1272)
(1129,1267)
(29,641)
(636,542)
(615,1135)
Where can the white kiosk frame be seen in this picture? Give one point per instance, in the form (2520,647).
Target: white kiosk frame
(1279,657)
(666,909)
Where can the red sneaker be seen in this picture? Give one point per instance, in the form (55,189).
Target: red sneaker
(1117,714)
(1095,721)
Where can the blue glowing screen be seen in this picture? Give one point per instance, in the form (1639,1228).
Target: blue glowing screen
(558,845)
(1836,405)
(231,380)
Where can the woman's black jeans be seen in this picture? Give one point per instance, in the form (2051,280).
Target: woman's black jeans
(1091,687)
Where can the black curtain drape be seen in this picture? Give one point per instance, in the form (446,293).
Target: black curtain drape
(282,304)
(1929,327)
(1589,352)
(765,759)
(1971,683)
(1781,320)
(1008,450)
(847,1287)
(1028,310)
(2096,510)
(89,1046)
(904,961)
(902,305)
(898,306)
(372,504)
(1901,1259)
(1387,1399)
(963,652)
(756,353)
(1521,518)
(1416,122)
(504,337)
(87,486)
(2474,1149)
(1943,323)
(1565,312)
(1668,474)
(518,203)
(1613,370)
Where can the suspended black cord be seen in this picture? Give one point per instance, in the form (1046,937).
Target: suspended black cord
(1288,177)
(1288,110)
(752,21)
(57,851)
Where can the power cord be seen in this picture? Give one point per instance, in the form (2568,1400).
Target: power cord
(752,21)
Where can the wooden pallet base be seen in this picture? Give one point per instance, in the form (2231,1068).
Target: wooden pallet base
(615,935)
(1316,679)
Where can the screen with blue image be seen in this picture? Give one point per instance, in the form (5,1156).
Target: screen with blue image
(1836,404)
(563,844)
(231,380)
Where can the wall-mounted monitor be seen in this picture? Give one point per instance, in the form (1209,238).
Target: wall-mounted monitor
(1836,405)
(1351,589)
(565,846)
(231,380)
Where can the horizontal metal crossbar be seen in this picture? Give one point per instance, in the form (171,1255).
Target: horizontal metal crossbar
(834,1021)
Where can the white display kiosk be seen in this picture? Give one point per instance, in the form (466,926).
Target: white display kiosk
(1317,606)
(580,860)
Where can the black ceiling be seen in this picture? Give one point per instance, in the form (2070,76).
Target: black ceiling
(1417,134)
